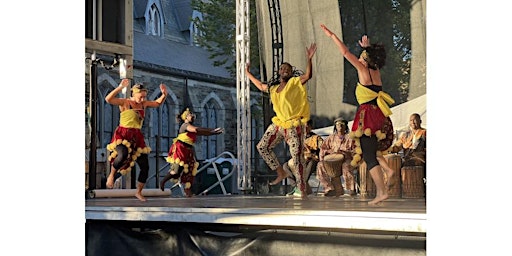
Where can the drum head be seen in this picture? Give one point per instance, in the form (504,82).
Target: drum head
(334,157)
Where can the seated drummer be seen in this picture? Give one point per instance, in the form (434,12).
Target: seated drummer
(337,142)
(413,143)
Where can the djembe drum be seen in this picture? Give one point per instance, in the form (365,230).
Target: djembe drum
(412,182)
(395,163)
(333,167)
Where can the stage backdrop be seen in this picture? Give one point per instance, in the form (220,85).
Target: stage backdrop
(301,21)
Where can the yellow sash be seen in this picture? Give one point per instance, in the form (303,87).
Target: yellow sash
(183,137)
(364,94)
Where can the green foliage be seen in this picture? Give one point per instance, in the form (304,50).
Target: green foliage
(218,32)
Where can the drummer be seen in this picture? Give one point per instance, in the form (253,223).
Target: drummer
(338,142)
(412,143)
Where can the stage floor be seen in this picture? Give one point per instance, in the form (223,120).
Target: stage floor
(396,215)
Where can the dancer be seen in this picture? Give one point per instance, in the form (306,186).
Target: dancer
(372,128)
(182,156)
(312,144)
(127,146)
(290,103)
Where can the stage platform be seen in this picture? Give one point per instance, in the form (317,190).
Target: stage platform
(395,215)
(255,225)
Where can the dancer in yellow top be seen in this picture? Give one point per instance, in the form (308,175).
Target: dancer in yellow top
(372,128)
(182,156)
(127,146)
(290,102)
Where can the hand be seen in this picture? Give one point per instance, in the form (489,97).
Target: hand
(124,83)
(326,30)
(247,67)
(218,130)
(163,89)
(364,42)
(311,50)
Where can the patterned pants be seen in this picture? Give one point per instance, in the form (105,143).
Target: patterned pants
(294,137)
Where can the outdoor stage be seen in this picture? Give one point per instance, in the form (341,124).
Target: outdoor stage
(255,225)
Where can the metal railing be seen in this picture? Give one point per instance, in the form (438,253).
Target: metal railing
(207,164)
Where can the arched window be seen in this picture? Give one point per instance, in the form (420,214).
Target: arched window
(194,30)
(209,120)
(154,27)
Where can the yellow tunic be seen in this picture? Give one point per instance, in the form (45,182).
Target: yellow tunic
(291,104)
(131,118)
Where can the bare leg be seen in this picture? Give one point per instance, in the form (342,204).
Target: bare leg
(138,194)
(167,178)
(110,178)
(388,179)
(281,174)
(382,193)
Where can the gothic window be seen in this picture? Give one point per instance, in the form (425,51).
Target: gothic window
(161,127)
(194,30)
(209,120)
(154,27)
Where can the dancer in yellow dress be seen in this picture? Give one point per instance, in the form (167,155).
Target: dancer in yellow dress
(127,146)
(182,156)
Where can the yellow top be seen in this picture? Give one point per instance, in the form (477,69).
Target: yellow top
(364,94)
(184,137)
(291,104)
(131,118)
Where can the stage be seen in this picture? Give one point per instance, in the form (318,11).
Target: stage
(278,225)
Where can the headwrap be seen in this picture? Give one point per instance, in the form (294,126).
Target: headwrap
(185,114)
(138,88)
(340,120)
(366,56)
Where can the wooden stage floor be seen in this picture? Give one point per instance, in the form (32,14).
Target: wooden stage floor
(396,215)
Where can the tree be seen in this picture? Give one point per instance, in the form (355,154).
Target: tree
(218,32)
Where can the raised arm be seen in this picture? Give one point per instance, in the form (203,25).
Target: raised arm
(261,86)
(160,100)
(354,60)
(310,52)
(112,98)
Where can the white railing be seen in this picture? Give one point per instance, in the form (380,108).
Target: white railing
(208,163)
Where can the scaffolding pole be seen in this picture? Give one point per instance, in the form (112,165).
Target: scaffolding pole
(243,97)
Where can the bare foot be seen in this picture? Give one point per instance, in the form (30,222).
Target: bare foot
(281,175)
(378,199)
(110,181)
(188,192)
(140,197)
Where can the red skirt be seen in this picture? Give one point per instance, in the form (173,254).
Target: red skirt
(369,116)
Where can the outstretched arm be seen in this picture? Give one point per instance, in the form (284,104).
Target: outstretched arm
(310,52)
(112,98)
(204,131)
(160,100)
(343,48)
(261,86)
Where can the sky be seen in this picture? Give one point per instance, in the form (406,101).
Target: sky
(43,111)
